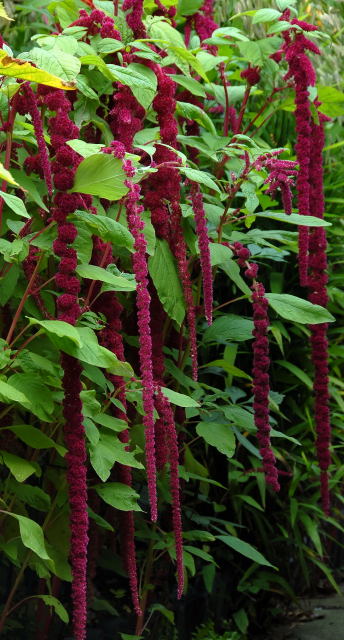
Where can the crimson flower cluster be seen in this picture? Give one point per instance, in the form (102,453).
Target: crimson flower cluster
(281,176)
(261,364)
(62,129)
(302,72)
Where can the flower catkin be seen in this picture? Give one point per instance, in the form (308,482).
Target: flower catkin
(111,338)
(62,129)
(134,18)
(261,364)
(203,241)
(39,133)
(136,226)
(302,72)
(317,281)
(165,412)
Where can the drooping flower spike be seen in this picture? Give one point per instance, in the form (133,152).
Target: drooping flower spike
(62,129)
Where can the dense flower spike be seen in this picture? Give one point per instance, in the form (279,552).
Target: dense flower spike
(302,72)
(136,226)
(38,128)
(203,240)
(168,223)
(134,18)
(261,364)
(165,412)
(317,281)
(281,176)
(61,129)
(111,338)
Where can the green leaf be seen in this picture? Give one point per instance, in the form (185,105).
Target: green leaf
(85,149)
(201,177)
(164,273)
(31,534)
(141,80)
(107,229)
(55,62)
(21,469)
(59,329)
(294,218)
(190,84)
(298,310)
(100,175)
(9,394)
(93,272)
(118,495)
(35,438)
(266,15)
(229,368)
(218,435)
(41,401)
(232,269)
(25,71)
(106,452)
(189,7)
(167,613)
(245,549)
(33,496)
(179,399)
(51,601)
(193,112)
(229,328)
(6,175)
(296,371)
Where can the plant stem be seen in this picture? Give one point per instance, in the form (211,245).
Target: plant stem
(145,590)
(22,302)
(11,119)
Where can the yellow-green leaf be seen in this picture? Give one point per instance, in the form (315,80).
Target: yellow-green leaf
(16,68)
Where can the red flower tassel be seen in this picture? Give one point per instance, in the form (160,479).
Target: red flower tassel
(203,240)
(317,281)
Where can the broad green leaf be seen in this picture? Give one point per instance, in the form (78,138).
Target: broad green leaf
(55,62)
(6,175)
(20,468)
(141,80)
(232,269)
(31,534)
(35,438)
(229,368)
(294,218)
(106,452)
(15,203)
(218,435)
(219,253)
(296,371)
(9,394)
(118,495)
(251,501)
(163,32)
(33,496)
(41,401)
(101,175)
(298,310)
(245,549)
(22,70)
(179,399)
(229,328)
(189,7)
(93,272)
(266,15)
(240,417)
(51,601)
(108,229)
(190,84)
(83,148)
(59,329)
(201,177)
(193,112)
(164,273)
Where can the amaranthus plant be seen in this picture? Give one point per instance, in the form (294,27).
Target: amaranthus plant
(148,289)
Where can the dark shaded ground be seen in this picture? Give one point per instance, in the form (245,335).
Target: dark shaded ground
(321,619)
